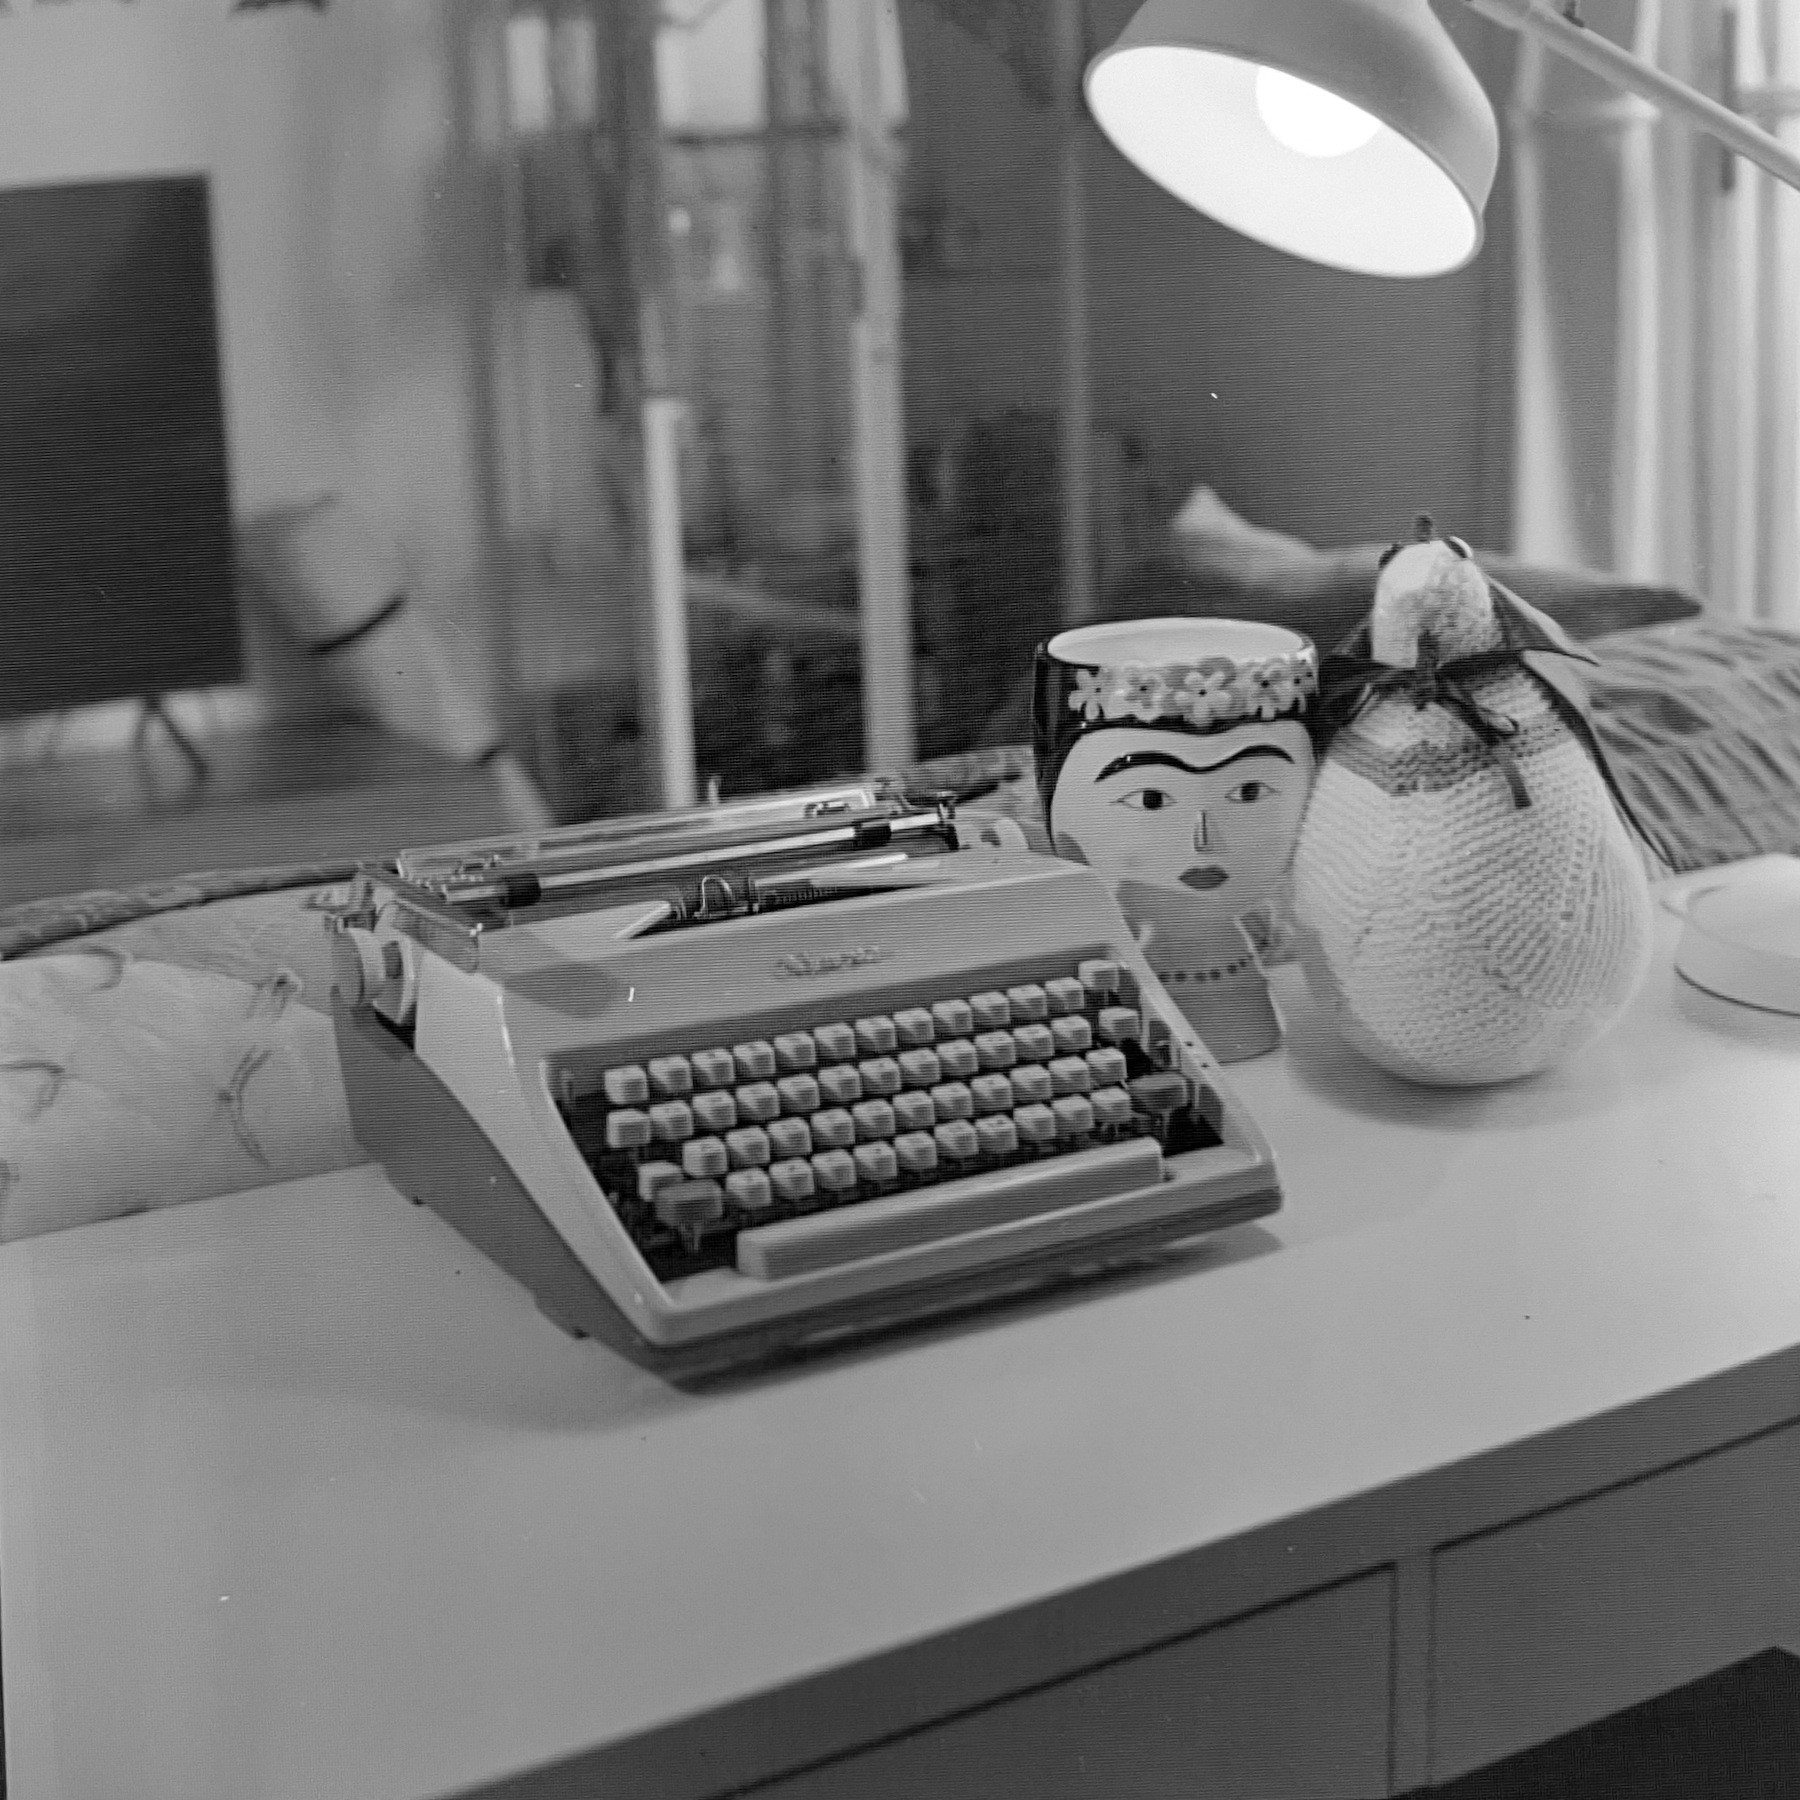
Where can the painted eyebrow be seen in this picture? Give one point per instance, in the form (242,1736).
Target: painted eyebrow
(1147,759)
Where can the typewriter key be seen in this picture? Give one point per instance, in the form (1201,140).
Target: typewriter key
(716,1110)
(758,1102)
(997,1135)
(876,1163)
(671,1077)
(790,1138)
(840,1084)
(714,1068)
(1120,1024)
(1159,1095)
(1112,1108)
(914,1027)
(704,1158)
(748,1147)
(672,1121)
(749,1190)
(916,1152)
(627,1129)
(799,1093)
(653,1177)
(1100,978)
(953,1018)
(792,1181)
(914,1111)
(628,1086)
(834,1129)
(835,1171)
(874,1119)
(992,1093)
(689,1207)
(957,1140)
(953,1100)
(881,1076)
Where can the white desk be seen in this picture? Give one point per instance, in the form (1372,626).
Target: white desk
(1495,1429)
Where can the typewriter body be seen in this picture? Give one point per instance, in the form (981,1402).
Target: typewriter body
(741,1080)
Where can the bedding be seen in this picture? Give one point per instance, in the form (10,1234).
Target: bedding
(1242,570)
(175,1042)
(1218,565)
(1702,725)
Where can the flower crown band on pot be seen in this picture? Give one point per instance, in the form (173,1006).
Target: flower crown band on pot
(1215,691)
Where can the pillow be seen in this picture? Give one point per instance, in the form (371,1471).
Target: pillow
(127,1084)
(1326,593)
(1219,566)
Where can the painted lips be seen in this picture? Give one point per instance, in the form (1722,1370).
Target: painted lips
(1204,879)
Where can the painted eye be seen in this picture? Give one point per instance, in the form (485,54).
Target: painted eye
(1147,800)
(1250,793)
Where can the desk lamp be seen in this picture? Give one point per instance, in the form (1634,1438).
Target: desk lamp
(1348,132)
(1352,133)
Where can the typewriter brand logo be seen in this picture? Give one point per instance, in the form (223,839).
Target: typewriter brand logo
(859,958)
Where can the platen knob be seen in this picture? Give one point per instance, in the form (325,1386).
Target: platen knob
(359,968)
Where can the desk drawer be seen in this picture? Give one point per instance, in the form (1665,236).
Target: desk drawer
(1551,1624)
(1287,1704)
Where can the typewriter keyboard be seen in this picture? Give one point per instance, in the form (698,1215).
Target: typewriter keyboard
(922,1120)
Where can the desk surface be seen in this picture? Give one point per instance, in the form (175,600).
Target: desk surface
(298,1496)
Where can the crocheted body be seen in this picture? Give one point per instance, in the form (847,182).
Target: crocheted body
(1457,938)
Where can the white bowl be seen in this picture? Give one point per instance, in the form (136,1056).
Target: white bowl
(1741,940)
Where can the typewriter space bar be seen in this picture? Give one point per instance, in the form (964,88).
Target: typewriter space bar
(900,1221)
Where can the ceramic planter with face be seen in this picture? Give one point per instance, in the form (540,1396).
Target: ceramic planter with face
(1173,756)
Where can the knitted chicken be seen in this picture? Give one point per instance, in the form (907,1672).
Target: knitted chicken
(1470,905)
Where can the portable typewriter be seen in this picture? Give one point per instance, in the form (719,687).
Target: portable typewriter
(738,1080)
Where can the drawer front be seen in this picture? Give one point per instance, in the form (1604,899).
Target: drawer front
(1287,1704)
(1551,1624)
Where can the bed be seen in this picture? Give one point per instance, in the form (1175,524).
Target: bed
(172,1042)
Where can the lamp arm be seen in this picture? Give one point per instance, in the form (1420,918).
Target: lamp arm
(1592,51)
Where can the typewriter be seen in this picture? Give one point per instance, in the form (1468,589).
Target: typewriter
(741,1080)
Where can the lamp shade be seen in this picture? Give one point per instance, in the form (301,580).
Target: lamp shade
(1348,132)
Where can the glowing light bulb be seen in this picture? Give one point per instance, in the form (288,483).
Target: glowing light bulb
(1308,119)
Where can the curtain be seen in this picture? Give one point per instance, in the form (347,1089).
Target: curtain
(1658,388)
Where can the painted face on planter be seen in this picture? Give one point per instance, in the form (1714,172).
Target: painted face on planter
(1209,819)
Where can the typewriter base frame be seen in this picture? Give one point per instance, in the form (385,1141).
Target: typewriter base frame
(437,1156)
